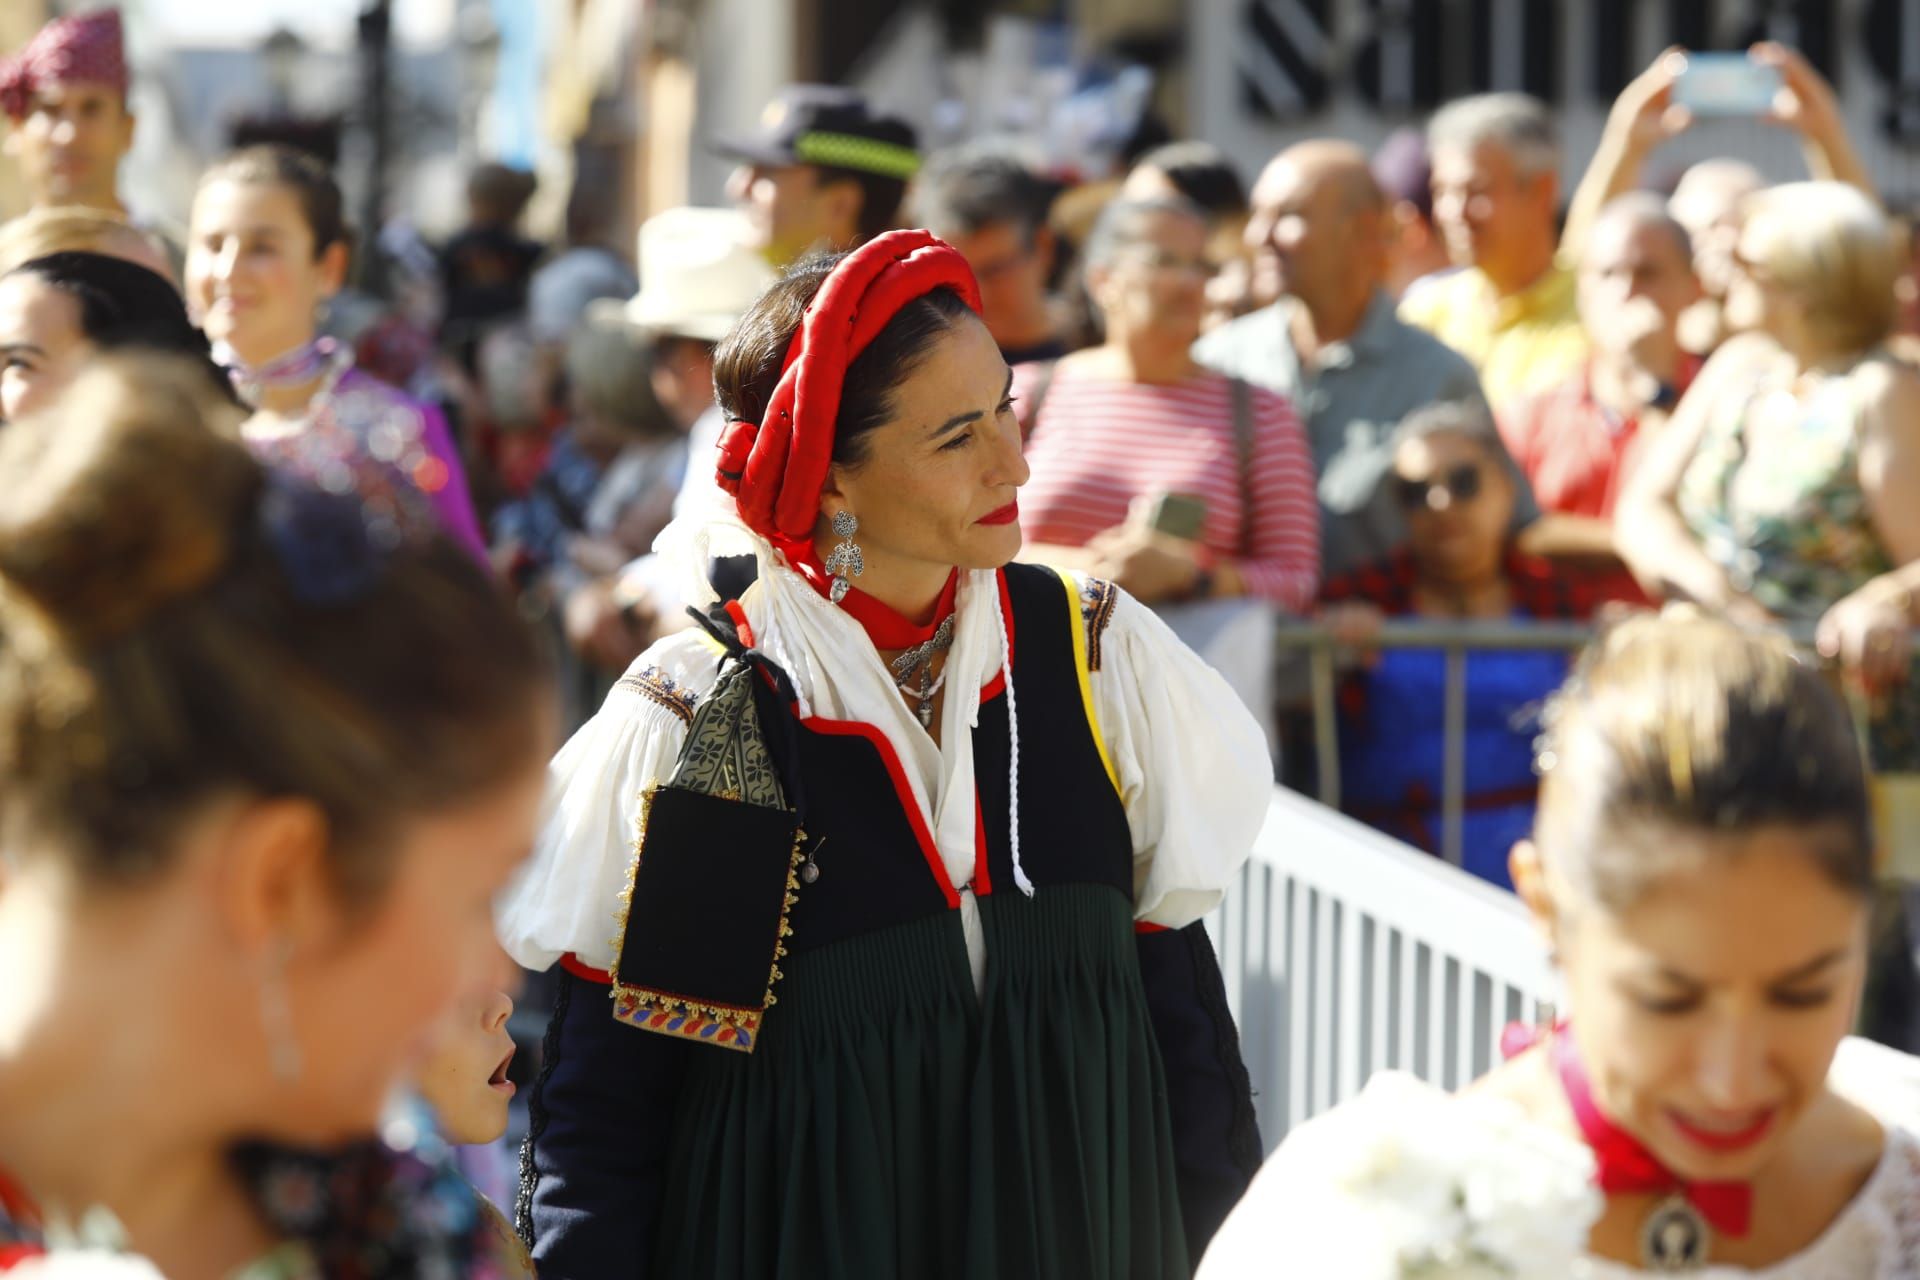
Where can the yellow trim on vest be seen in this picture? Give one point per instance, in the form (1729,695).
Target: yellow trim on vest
(1077,623)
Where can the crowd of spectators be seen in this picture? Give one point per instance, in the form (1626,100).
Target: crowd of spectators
(1405,382)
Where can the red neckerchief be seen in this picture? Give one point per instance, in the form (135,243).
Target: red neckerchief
(886,626)
(1622,1165)
(20,1217)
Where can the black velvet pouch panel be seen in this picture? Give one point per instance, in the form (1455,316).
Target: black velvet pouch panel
(708,899)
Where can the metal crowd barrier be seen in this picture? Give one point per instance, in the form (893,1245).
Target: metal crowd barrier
(1346,952)
(1455,639)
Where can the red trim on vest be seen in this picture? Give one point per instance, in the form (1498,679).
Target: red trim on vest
(740,623)
(998,685)
(580,969)
(982,877)
(911,807)
(1148,926)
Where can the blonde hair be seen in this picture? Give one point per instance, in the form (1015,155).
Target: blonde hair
(1686,721)
(74,228)
(1831,244)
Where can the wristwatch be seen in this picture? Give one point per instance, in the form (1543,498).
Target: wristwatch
(1665,396)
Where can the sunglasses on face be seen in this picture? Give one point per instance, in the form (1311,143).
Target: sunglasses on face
(1460,484)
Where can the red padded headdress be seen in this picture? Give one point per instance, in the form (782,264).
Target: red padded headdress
(776,468)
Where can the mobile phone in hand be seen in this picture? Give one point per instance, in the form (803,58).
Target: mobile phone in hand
(1177,515)
(1726,84)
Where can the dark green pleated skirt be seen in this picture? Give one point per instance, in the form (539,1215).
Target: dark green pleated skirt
(891,1124)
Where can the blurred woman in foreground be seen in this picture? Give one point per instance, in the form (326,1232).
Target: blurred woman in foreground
(260,777)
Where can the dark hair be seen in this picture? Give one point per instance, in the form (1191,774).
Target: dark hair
(880,197)
(124,306)
(499,194)
(1202,173)
(967,188)
(168,634)
(1688,721)
(1123,223)
(747,365)
(301,173)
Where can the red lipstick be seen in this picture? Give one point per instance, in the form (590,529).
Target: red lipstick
(1725,1140)
(1005,515)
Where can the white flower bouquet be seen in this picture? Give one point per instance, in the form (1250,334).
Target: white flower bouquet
(1408,1183)
(92,1247)
(85,1264)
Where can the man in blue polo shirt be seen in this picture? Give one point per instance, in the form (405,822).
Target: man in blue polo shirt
(1332,344)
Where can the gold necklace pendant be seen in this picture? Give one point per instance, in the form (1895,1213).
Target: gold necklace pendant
(1674,1238)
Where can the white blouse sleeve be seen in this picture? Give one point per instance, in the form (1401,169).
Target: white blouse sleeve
(566,898)
(1191,761)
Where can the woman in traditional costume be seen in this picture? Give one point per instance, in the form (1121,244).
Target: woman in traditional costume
(269,247)
(1702,867)
(901,976)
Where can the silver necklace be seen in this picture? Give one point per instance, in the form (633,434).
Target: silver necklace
(913,672)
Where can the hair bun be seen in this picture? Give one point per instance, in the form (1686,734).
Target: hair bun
(122,497)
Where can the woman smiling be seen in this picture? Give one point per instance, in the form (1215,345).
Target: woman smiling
(1702,868)
(269,247)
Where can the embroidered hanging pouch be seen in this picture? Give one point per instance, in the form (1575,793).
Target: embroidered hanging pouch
(714,877)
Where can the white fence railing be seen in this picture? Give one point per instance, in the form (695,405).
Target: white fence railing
(1346,952)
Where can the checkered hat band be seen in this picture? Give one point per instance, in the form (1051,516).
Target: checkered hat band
(849,151)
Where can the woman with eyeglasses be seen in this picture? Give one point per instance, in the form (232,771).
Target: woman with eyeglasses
(1114,428)
(1182,485)
(1459,564)
(1786,486)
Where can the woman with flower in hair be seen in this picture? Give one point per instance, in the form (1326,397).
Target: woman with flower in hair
(901,976)
(269,246)
(1702,869)
(261,775)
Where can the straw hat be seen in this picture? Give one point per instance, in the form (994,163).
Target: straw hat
(698,273)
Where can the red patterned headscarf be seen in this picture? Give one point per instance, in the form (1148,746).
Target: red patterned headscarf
(86,47)
(776,468)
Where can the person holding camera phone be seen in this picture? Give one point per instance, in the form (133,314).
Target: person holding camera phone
(1770,82)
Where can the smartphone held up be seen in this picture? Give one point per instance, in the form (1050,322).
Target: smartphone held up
(1726,84)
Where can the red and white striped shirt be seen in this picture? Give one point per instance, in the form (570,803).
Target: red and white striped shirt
(1101,443)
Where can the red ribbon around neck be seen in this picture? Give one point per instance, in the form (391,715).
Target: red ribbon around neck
(1623,1165)
(888,628)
